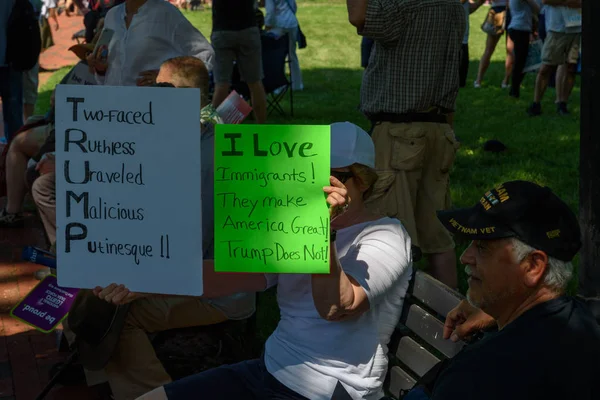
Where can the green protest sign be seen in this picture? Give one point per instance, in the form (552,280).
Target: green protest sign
(270,208)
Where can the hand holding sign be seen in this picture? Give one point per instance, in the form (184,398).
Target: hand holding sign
(337,198)
(117,294)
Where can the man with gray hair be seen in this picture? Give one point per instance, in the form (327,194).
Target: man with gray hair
(546,345)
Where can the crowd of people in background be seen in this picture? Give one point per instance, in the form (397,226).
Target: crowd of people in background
(389,197)
(556,23)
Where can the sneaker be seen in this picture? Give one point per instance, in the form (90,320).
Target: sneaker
(8,220)
(561,108)
(505,85)
(534,109)
(477,85)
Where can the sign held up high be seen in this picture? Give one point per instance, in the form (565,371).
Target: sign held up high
(271,213)
(128,188)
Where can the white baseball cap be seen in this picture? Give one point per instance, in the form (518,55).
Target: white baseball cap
(349,145)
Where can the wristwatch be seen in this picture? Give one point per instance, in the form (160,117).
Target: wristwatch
(332,235)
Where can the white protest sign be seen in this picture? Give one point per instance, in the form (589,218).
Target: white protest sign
(80,75)
(128,205)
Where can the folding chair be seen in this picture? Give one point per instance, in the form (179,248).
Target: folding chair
(275,57)
(79,36)
(277,85)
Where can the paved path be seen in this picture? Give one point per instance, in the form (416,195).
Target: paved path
(26,355)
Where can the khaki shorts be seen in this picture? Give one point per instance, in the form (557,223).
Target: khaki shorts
(244,47)
(413,163)
(561,48)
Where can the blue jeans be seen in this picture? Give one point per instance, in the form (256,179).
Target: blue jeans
(11,92)
(247,380)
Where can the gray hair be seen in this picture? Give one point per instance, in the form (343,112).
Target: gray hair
(558,273)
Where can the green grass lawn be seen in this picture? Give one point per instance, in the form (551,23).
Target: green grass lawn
(544,149)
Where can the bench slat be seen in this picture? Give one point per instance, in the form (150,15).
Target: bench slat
(430,329)
(435,294)
(415,356)
(400,381)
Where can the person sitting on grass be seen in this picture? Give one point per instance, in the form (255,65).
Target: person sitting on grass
(334,327)
(546,345)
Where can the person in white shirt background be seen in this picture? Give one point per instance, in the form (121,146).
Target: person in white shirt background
(314,348)
(280,19)
(560,53)
(146,33)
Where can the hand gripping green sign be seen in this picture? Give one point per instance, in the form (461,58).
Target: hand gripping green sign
(270,208)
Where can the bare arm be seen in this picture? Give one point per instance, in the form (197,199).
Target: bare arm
(357,12)
(337,296)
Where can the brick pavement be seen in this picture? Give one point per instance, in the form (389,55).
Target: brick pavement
(59,55)
(26,355)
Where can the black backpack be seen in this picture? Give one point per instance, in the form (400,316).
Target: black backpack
(24,40)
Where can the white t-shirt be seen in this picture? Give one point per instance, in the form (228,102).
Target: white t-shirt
(309,354)
(47,5)
(557,18)
(157,33)
(521,15)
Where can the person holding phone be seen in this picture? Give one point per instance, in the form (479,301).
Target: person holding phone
(145,34)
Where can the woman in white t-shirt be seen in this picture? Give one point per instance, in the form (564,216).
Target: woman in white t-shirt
(335,327)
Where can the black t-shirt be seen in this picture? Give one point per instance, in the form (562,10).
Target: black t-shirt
(233,15)
(551,352)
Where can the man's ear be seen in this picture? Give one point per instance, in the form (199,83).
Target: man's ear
(535,265)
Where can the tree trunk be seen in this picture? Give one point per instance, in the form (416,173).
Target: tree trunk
(589,168)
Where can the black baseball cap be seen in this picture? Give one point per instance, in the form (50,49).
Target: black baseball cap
(523,210)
